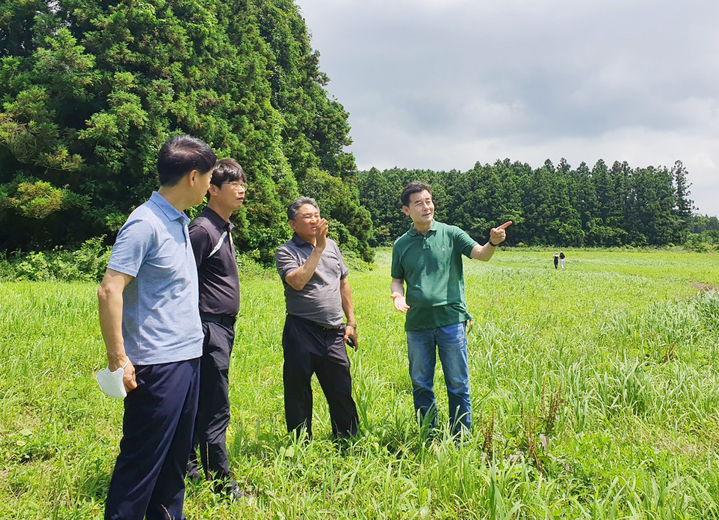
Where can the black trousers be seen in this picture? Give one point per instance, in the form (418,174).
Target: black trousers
(149,476)
(213,412)
(310,349)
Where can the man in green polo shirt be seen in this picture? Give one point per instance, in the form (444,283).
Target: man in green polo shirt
(428,259)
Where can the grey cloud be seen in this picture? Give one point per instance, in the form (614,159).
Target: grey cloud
(459,77)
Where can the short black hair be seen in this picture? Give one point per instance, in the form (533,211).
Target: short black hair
(227,170)
(296,204)
(414,187)
(182,154)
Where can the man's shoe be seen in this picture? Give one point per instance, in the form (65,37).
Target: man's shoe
(193,472)
(231,490)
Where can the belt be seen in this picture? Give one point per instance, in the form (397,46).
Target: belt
(315,324)
(222,319)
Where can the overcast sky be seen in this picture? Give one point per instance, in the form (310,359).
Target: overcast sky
(442,84)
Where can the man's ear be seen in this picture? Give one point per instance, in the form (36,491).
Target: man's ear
(405,210)
(214,190)
(293,225)
(192,177)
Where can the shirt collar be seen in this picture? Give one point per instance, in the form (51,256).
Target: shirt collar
(216,219)
(168,209)
(413,232)
(300,242)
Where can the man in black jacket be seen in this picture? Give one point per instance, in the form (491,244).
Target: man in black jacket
(211,236)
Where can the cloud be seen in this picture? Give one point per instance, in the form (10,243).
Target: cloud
(443,83)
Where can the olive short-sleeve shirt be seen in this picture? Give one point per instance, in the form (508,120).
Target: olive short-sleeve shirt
(431,266)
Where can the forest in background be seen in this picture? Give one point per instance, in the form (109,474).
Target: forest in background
(90,90)
(553,205)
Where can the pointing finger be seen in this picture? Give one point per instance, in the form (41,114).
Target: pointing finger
(505,225)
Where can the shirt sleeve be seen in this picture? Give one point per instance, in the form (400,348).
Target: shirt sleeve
(344,270)
(397,269)
(463,242)
(285,262)
(200,239)
(133,243)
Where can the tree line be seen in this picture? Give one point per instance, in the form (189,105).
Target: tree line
(557,205)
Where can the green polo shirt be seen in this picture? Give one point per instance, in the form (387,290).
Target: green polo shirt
(431,266)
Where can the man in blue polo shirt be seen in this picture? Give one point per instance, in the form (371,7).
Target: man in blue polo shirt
(428,258)
(151,327)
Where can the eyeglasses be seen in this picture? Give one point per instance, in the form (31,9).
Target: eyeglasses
(236,185)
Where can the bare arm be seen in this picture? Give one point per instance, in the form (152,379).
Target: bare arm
(110,310)
(348,308)
(496,236)
(483,253)
(397,295)
(298,278)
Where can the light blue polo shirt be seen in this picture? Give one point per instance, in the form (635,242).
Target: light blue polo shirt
(161,319)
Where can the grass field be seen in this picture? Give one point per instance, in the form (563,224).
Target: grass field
(595,395)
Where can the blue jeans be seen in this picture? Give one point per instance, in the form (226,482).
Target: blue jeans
(451,342)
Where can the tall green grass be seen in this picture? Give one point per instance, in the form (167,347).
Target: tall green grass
(594,396)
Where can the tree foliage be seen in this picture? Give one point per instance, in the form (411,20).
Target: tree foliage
(550,205)
(90,90)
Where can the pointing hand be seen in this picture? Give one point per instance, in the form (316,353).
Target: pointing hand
(498,235)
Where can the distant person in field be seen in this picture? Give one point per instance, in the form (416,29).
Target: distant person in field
(561,259)
(151,327)
(556,260)
(428,259)
(211,236)
(317,294)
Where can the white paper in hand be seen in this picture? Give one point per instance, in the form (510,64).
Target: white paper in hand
(111,382)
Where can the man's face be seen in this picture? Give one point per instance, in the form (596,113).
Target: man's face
(420,209)
(306,222)
(229,196)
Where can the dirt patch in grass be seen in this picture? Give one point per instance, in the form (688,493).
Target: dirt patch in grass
(674,442)
(703,287)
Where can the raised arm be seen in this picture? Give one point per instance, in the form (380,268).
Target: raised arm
(110,310)
(298,278)
(496,236)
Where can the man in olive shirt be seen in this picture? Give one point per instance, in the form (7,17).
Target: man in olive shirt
(211,236)
(317,293)
(428,258)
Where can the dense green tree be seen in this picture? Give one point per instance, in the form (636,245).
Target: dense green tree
(583,193)
(701,223)
(652,217)
(683,205)
(538,206)
(380,195)
(90,90)
(484,197)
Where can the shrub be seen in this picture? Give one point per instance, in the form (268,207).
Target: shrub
(88,263)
